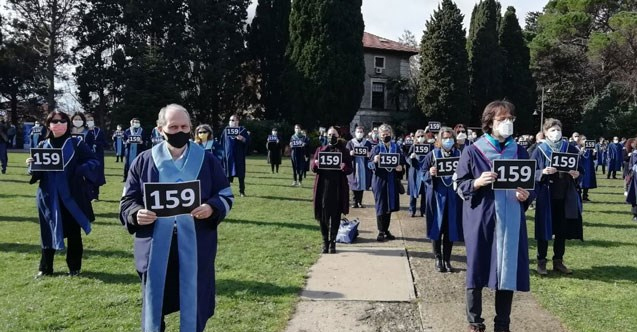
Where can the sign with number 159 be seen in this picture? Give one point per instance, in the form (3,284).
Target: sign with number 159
(172,199)
(514,173)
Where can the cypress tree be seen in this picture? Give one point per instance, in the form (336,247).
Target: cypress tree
(518,84)
(485,58)
(326,73)
(444,80)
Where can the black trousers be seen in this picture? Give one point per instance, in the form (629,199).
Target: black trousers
(609,174)
(275,166)
(330,221)
(559,247)
(297,171)
(603,168)
(74,246)
(358,196)
(382,222)
(442,246)
(503,303)
(634,210)
(242,183)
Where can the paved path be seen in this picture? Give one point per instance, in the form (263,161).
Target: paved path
(392,286)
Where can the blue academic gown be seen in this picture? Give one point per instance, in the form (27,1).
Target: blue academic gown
(118,142)
(631,198)
(299,154)
(614,157)
(415,181)
(156,137)
(234,158)
(545,227)
(214,147)
(37,135)
(359,180)
(479,222)
(67,189)
(384,182)
(370,173)
(600,151)
(99,143)
(132,150)
(442,200)
(215,191)
(588,179)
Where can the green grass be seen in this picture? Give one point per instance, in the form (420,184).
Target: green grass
(265,248)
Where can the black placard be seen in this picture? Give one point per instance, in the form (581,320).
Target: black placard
(233,131)
(564,162)
(434,126)
(36,130)
(172,199)
(157,139)
(408,142)
(135,139)
(360,151)
(272,138)
(330,160)
(422,149)
(297,143)
(47,160)
(524,143)
(589,144)
(388,160)
(78,136)
(514,173)
(446,166)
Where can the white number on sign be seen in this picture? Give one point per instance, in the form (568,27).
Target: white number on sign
(173,199)
(449,166)
(516,173)
(233,131)
(329,160)
(564,161)
(384,159)
(46,158)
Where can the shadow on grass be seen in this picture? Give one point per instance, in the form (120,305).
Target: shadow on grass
(15,181)
(602,225)
(36,248)
(248,288)
(599,243)
(108,215)
(284,198)
(305,186)
(604,203)
(605,193)
(16,195)
(272,223)
(609,274)
(19,218)
(111,278)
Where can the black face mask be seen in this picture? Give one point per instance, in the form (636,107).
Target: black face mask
(178,139)
(387,139)
(333,140)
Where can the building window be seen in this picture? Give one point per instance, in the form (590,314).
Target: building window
(378,95)
(379,62)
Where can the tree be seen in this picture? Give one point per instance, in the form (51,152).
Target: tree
(444,79)
(485,58)
(408,39)
(268,38)
(518,85)
(326,73)
(52,23)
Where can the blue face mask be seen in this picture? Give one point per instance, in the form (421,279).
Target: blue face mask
(447,144)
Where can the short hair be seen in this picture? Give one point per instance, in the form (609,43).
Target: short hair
(298,125)
(421,131)
(385,127)
(493,109)
(134,119)
(441,132)
(81,115)
(551,122)
(458,127)
(359,127)
(161,117)
(50,116)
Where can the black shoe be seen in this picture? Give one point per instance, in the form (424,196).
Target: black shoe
(42,274)
(4,171)
(380,237)
(355,206)
(448,266)
(333,247)
(413,214)
(585,199)
(360,205)
(634,218)
(74,273)
(326,245)
(242,194)
(440,267)
(389,236)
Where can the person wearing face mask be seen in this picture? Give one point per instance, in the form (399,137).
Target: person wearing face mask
(133,142)
(273,145)
(155,136)
(614,158)
(299,145)
(118,144)
(558,209)
(99,143)
(588,179)
(322,136)
(385,182)
(204,138)
(631,180)
(80,128)
(4,144)
(461,136)
(359,179)
(331,190)
(444,213)
(493,222)
(175,256)
(627,150)
(62,198)
(600,154)
(235,140)
(37,134)
(415,176)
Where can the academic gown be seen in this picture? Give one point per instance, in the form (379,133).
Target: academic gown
(99,142)
(342,193)
(441,199)
(299,154)
(234,158)
(213,147)
(479,223)
(67,189)
(360,177)
(415,174)
(631,198)
(37,135)
(132,150)
(215,191)
(118,142)
(588,179)
(614,157)
(600,151)
(385,182)
(273,145)
(370,173)
(545,227)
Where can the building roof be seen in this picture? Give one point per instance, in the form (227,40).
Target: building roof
(371,41)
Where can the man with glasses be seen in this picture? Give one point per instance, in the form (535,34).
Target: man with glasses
(234,140)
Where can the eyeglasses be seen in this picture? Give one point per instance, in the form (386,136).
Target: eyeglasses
(202,132)
(56,121)
(461,131)
(233,119)
(419,136)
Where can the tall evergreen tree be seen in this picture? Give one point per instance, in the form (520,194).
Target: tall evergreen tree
(326,74)
(444,80)
(485,58)
(268,40)
(518,83)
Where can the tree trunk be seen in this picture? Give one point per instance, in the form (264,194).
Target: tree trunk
(50,61)
(14,109)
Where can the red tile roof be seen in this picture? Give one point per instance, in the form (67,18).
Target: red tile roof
(379,43)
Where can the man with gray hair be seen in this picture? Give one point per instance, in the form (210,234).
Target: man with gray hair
(175,196)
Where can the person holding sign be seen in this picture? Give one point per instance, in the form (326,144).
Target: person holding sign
(80,129)
(415,178)
(299,153)
(386,162)
(234,140)
(360,149)
(332,164)
(493,221)
(631,178)
(37,134)
(444,213)
(175,197)
(118,143)
(558,209)
(614,157)
(600,154)
(588,180)
(63,165)
(99,143)
(134,143)
(205,140)
(273,145)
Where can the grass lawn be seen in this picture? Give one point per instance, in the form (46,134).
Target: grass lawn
(265,248)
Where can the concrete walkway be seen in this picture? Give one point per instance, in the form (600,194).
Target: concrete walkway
(392,286)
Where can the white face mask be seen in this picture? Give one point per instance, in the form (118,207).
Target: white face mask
(615,141)
(232,124)
(505,128)
(90,124)
(78,123)
(36,124)
(554,135)
(297,131)
(421,139)
(359,136)
(119,128)
(136,125)
(274,133)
